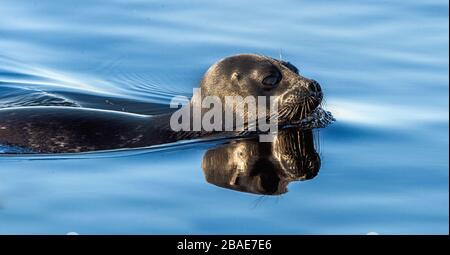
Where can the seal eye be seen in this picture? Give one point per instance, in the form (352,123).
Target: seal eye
(271,80)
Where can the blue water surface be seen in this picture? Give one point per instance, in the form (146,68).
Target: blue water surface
(383,66)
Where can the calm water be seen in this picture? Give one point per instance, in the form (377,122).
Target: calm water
(383,66)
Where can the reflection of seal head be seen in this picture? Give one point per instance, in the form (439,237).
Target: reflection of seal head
(69,129)
(256,75)
(263,168)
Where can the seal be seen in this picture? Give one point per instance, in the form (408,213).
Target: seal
(52,129)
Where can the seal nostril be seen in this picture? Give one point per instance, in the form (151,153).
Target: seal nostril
(314,86)
(319,89)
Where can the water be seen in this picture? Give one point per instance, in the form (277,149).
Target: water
(383,66)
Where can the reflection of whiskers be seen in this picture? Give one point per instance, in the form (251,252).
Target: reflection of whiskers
(258,201)
(317,142)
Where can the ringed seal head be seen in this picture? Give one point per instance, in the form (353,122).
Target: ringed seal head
(256,75)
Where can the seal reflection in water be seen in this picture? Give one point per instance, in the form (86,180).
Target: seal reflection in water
(263,168)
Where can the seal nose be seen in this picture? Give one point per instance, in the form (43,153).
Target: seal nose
(315,92)
(314,86)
